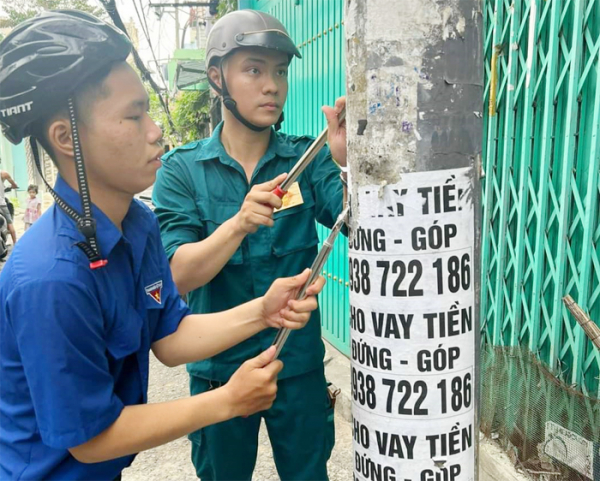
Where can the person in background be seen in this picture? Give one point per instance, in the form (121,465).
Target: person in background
(33,210)
(5,177)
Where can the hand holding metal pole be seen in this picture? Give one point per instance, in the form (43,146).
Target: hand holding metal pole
(315,269)
(306,159)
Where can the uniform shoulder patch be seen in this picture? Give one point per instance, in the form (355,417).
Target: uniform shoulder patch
(295,139)
(183,148)
(155,291)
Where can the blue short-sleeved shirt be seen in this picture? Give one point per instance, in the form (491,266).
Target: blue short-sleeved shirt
(74,342)
(199,187)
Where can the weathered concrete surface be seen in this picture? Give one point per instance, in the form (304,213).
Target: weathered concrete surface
(495,465)
(414,79)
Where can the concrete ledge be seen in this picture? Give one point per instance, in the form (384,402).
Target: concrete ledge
(495,465)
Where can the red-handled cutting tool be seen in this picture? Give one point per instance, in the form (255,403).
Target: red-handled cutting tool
(306,159)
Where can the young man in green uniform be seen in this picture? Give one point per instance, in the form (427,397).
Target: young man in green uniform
(228,237)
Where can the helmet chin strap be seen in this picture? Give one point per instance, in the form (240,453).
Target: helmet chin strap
(231,105)
(86,224)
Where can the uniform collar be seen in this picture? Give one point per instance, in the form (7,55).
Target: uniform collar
(214,149)
(135,225)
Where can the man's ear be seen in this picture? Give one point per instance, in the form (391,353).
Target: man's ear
(60,137)
(214,74)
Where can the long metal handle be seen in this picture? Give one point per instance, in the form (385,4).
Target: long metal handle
(306,159)
(283,333)
(315,270)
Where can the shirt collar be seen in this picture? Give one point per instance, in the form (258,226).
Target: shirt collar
(214,149)
(135,225)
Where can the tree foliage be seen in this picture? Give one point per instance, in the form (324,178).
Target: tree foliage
(189,109)
(190,114)
(19,10)
(226,6)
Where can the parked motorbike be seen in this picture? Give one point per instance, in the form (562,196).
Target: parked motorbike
(9,204)
(4,233)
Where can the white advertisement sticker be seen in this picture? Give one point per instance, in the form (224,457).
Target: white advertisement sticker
(413,321)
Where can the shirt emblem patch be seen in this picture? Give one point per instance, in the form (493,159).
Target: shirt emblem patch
(154,291)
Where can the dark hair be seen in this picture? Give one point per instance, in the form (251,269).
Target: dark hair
(85,96)
(32,187)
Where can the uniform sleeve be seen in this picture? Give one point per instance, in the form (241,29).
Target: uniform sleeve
(174,201)
(327,187)
(59,329)
(174,309)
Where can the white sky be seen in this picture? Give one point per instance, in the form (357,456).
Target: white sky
(161,31)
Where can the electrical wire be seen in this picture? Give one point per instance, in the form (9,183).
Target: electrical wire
(146,31)
(161,33)
(111,8)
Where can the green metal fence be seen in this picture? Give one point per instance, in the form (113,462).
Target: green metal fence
(317,79)
(541,233)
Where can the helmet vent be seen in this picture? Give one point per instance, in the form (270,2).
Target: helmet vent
(59,64)
(52,50)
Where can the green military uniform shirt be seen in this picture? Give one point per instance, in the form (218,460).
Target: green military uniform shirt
(199,187)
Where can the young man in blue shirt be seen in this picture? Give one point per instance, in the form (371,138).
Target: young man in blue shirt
(87,291)
(226,244)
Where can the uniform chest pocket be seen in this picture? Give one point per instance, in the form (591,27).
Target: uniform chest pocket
(294,229)
(213,216)
(124,336)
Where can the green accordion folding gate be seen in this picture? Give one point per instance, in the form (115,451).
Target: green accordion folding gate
(540,233)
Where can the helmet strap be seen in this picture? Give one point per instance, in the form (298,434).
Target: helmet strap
(86,224)
(231,105)
(277,126)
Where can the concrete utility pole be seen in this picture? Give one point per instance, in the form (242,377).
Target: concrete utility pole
(414,134)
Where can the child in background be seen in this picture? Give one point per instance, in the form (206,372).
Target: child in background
(34,206)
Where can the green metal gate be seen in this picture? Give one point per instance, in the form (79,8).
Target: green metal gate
(317,79)
(541,234)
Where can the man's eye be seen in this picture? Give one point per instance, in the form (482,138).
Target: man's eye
(253,70)
(135,117)
(283,73)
